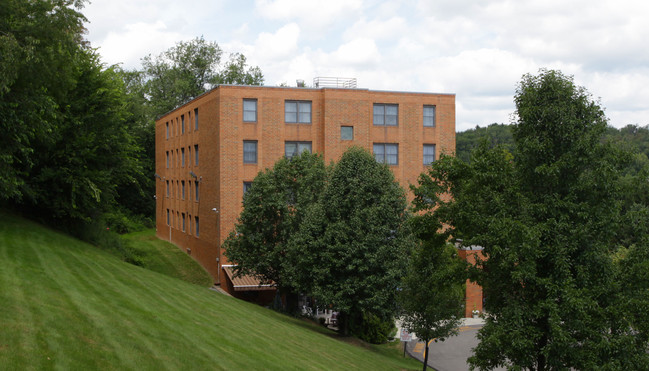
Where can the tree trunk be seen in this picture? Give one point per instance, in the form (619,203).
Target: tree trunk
(426,355)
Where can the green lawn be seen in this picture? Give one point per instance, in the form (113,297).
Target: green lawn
(163,257)
(67,305)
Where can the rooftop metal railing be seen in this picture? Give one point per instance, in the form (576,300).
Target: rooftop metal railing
(334,82)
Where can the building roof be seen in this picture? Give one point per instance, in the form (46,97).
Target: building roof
(246,282)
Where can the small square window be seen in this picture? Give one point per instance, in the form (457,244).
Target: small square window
(347,133)
(249,151)
(429,154)
(387,153)
(250,110)
(429,116)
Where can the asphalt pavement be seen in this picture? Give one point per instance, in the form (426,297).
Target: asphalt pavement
(451,354)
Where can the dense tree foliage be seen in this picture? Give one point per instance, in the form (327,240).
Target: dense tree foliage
(65,147)
(495,134)
(548,217)
(273,209)
(350,248)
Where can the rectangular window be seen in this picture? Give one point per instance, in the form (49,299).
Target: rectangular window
(196,154)
(195,118)
(297,112)
(167,129)
(250,110)
(168,217)
(429,116)
(387,153)
(167,188)
(183,217)
(182,124)
(246,187)
(177,159)
(182,187)
(167,159)
(249,151)
(189,223)
(196,190)
(182,155)
(294,148)
(429,154)
(196,229)
(386,114)
(347,133)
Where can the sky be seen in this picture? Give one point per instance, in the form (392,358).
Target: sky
(477,50)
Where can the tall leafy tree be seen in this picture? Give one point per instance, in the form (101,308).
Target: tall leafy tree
(349,252)
(432,291)
(548,217)
(273,209)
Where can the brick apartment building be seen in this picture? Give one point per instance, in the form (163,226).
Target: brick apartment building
(210,149)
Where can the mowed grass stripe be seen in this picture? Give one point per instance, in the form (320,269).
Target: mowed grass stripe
(68,305)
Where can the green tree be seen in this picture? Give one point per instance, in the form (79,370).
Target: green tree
(237,72)
(273,209)
(432,292)
(496,134)
(37,41)
(349,251)
(548,218)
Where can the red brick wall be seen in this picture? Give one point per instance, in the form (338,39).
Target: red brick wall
(473,295)
(222,132)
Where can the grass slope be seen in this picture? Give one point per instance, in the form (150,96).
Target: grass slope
(67,305)
(163,257)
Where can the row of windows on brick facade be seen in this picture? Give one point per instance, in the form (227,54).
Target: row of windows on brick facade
(177,220)
(299,112)
(176,189)
(383,152)
(179,155)
(177,126)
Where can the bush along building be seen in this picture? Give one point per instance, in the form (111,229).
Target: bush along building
(209,150)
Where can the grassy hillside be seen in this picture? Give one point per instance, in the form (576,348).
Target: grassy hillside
(68,305)
(163,257)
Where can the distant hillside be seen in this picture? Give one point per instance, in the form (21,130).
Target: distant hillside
(633,137)
(68,305)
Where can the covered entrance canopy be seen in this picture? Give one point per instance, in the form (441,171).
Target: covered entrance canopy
(245,283)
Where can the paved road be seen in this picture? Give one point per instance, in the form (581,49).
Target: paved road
(451,354)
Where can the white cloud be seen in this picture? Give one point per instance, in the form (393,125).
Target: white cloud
(136,41)
(281,44)
(308,13)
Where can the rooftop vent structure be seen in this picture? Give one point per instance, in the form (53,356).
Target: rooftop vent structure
(335,82)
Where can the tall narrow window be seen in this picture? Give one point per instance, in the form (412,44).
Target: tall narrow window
(195,118)
(250,110)
(387,153)
(297,112)
(182,155)
(346,133)
(167,188)
(429,116)
(177,159)
(182,124)
(183,217)
(182,186)
(249,151)
(167,159)
(168,217)
(167,129)
(196,226)
(196,190)
(246,187)
(429,154)
(386,114)
(196,154)
(295,148)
